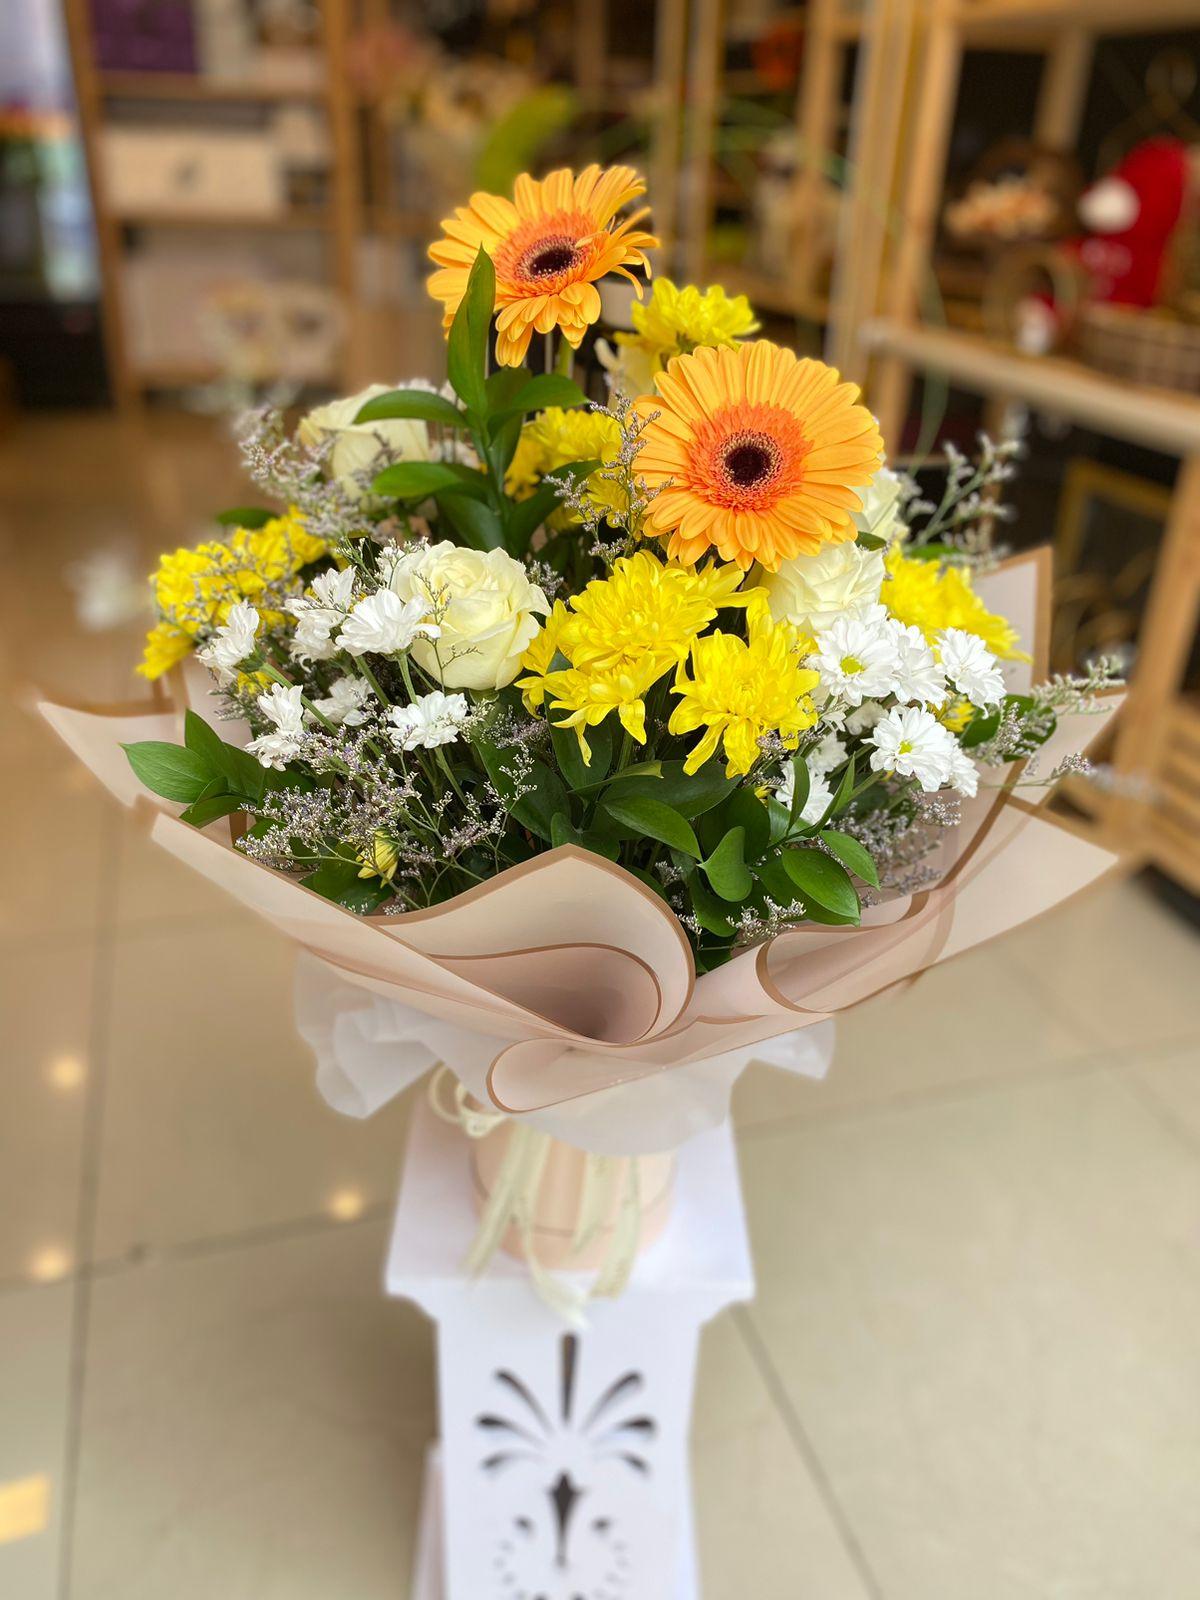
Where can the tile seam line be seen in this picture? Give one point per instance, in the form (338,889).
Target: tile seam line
(777,1393)
(88,1191)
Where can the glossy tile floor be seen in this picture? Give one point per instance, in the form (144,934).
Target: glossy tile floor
(973,1368)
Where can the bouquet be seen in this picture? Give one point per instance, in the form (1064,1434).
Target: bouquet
(602,742)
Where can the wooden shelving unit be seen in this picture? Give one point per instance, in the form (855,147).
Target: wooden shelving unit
(1154,812)
(100,94)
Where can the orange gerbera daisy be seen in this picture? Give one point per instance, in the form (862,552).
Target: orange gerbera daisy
(755,453)
(549,244)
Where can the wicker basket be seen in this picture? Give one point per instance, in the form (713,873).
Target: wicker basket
(1141,346)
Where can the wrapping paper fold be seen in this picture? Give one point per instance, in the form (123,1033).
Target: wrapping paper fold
(564,990)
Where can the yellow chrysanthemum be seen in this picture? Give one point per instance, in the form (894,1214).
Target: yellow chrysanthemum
(195,589)
(956,713)
(933,597)
(589,696)
(166,646)
(556,438)
(549,244)
(674,321)
(647,609)
(756,454)
(537,659)
(640,620)
(741,690)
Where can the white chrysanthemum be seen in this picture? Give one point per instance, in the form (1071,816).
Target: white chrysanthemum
(964,774)
(811,592)
(881,512)
(911,741)
(820,793)
(970,666)
(431,720)
(863,718)
(830,753)
(856,659)
(345,701)
(385,625)
(918,676)
(283,706)
(318,614)
(232,642)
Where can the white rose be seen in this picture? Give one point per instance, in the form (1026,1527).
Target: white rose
(485,606)
(811,592)
(881,510)
(359,445)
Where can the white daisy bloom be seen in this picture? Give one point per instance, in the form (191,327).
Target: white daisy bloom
(282,706)
(819,793)
(911,741)
(345,701)
(432,719)
(971,666)
(385,625)
(318,614)
(863,718)
(856,659)
(964,774)
(918,676)
(830,753)
(232,642)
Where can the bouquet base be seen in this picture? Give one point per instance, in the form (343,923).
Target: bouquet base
(563,1458)
(578,1200)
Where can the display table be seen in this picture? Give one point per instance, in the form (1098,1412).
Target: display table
(562,1471)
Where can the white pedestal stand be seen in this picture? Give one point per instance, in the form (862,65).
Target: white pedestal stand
(562,1472)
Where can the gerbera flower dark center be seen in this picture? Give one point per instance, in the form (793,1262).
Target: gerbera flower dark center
(751,460)
(550,257)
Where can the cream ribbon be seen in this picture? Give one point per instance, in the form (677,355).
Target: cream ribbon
(512,1203)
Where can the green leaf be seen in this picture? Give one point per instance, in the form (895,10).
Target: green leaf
(841,799)
(547,389)
(851,854)
(870,541)
(779,819)
(709,912)
(210,807)
(245,517)
(744,809)
(800,788)
(170,770)
(822,881)
(562,831)
(569,757)
(476,524)
(536,810)
(653,820)
(690,795)
(504,385)
(726,868)
(466,356)
(526,516)
(418,404)
(243,773)
(774,877)
(415,480)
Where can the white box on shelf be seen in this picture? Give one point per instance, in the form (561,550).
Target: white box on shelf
(192,172)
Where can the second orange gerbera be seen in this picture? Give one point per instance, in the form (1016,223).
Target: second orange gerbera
(549,244)
(755,454)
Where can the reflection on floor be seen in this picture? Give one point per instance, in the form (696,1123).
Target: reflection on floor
(971,1369)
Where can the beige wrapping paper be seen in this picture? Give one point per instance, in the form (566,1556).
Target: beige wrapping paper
(571,977)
